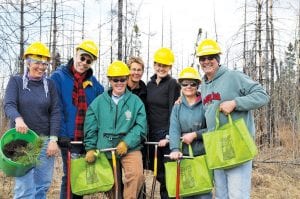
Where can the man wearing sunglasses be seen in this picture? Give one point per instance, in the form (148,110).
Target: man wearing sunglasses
(117,118)
(235,93)
(77,88)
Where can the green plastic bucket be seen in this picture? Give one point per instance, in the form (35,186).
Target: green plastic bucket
(9,167)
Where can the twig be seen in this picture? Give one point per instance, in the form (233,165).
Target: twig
(277,161)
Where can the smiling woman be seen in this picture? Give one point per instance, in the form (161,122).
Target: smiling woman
(31,102)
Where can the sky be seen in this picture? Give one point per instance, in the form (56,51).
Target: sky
(186,17)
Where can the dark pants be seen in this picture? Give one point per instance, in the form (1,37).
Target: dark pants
(156,137)
(64,154)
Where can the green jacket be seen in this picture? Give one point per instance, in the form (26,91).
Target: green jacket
(106,124)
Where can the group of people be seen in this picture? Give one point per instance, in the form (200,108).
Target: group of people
(72,105)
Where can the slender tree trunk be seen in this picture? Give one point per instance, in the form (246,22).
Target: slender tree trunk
(120,28)
(272,113)
(40,20)
(54,64)
(21,61)
(125,32)
(148,50)
(259,52)
(259,30)
(111,32)
(267,83)
(245,68)
(83,19)
(162,27)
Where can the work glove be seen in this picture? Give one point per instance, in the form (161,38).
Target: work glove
(90,156)
(122,148)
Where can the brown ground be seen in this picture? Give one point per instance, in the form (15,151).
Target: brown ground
(279,180)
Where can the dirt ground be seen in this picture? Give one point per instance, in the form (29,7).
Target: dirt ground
(277,180)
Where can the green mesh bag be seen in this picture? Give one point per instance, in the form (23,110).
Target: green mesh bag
(229,145)
(89,178)
(195,177)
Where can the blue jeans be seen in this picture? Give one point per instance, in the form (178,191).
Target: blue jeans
(35,183)
(233,183)
(201,196)
(63,186)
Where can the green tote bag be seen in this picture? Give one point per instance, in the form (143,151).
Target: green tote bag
(195,177)
(89,178)
(229,145)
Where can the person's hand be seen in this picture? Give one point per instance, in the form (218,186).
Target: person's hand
(122,148)
(21,127)
(52,149)
(188,138)
(163,142)
(90,156)
(175,155)
(178,101)
(227,106)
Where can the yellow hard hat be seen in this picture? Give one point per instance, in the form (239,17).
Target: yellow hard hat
(37,48)
(189,73)
(117,68)
(164,56)
(89,46)
(208,47)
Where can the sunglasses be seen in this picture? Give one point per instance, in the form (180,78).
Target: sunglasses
(116,80)
(39,62)
(203,58)
(88,61)
(192,84)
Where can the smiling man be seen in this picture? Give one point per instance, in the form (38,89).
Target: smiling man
(77,88)
(235,93)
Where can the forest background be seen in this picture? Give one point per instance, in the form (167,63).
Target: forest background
(259,37)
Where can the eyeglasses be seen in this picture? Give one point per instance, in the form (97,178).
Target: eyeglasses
(45,64)
(209,57)
(136,70)
(116,80)
(192,84)
(88,61)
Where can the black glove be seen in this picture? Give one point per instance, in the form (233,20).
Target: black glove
(64,142)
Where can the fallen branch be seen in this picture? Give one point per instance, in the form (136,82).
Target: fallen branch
(277,162)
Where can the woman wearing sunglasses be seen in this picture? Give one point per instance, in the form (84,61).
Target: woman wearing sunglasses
(117,118)
(31,102)
(187,122)
(77,88)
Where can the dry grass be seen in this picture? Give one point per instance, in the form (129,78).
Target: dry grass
(277,180)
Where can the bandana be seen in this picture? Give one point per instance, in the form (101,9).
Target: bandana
(26,79)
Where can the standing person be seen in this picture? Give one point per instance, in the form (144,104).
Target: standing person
(235,93)
(187,121)
(77,88)
(162,92)
(117,118)
(135,84)
(31,102)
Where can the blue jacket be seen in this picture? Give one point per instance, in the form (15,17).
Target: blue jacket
(187,119)
(232,85)
(64,81)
